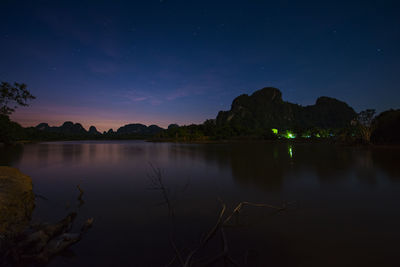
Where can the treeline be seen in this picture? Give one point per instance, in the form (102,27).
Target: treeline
(264,115)
(260,116)
(384,129)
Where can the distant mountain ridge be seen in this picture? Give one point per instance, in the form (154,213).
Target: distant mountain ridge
(250,115)
(137,128)
(263,115)
(67,127)
(265,109)
(76,129)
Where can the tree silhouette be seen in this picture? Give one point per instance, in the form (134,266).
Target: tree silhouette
(12,96)
(364,119)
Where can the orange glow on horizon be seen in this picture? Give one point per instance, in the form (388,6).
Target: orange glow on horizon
(102,120)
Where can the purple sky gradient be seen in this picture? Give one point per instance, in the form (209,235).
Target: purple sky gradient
(109,63)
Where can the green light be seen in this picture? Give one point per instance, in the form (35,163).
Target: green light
(317,135)
(290,135)
(290,152)
(275,131)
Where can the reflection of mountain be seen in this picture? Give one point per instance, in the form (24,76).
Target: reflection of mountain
(257,164)
(265,165)
(73,152)
(387,159)
(260,165)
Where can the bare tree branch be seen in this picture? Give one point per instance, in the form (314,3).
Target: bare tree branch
(220,225)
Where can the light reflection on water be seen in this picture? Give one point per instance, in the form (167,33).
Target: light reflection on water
(346,210)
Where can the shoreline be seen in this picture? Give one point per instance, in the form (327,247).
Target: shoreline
(225,141)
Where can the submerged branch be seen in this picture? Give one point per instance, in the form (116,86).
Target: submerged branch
(222,222)
(158,184)
(80,199)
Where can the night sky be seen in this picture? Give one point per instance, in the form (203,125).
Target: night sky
(109,63)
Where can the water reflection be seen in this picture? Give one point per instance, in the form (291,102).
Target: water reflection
(43,152)
(345,194)
(264,165)
(388,160)
(290,150)
(10,154)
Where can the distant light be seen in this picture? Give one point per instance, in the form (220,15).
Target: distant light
(290,152)
(275,131)
(290,135)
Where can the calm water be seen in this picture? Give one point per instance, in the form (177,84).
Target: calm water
(345,207)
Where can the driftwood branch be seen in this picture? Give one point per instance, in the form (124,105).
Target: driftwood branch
(222,222)
(39,243)
(208,237)
(158,184)
(80,199)
(48,241)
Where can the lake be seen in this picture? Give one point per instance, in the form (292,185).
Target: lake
(343,203)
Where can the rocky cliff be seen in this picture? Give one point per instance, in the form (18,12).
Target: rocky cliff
(265,108)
